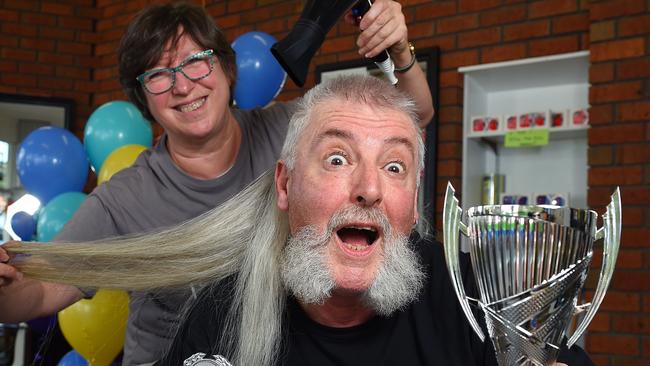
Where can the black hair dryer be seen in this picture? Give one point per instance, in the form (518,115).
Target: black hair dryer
(295,51)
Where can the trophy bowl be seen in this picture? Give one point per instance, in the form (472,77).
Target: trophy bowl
(530,264)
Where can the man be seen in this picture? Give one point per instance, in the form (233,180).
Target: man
(347,287)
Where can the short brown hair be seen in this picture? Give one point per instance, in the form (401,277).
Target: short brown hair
(152,29)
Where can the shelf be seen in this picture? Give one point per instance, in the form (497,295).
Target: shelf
(554,135)
(541,84)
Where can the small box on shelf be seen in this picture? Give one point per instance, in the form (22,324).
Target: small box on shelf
(485,125)
(514,199)
(553,199)
(511,122)
(532,120)
(580,117)
(558,118)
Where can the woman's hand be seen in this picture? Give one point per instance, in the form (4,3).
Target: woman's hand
(8,273)
(383,27)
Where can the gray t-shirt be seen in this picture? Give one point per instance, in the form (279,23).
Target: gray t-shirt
(154,193)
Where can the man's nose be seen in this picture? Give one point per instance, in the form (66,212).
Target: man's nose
(367,185)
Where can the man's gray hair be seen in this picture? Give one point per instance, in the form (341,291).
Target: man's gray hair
(243,237)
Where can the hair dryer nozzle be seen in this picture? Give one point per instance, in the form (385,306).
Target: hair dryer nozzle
(295,51)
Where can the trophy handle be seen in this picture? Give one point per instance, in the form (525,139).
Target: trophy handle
(451,227)
(611,231)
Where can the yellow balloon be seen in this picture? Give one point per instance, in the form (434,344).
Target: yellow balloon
(120,158)
(96,327)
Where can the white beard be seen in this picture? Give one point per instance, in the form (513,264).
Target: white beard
(306,274)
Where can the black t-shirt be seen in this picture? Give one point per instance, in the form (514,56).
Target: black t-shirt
(432,330)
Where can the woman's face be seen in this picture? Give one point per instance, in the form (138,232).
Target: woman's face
(191,110)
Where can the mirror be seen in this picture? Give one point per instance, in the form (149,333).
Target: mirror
(20,115)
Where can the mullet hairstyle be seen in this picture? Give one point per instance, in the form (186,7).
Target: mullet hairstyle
(156,29)
(242,237)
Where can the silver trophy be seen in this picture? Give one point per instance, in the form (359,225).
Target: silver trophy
(530,263)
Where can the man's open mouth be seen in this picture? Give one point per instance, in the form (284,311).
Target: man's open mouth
(358,238)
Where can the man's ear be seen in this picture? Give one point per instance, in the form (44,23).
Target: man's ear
(281,184)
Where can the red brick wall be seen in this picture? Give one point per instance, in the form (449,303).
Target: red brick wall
(46,49)
(68,49)
(619,155)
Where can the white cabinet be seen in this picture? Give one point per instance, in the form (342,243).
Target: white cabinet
(541,84)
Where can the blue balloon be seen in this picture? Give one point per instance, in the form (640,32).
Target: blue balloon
(72,358)
(51,161)
(113,125)
(23,225)
(259,75)
(56,214)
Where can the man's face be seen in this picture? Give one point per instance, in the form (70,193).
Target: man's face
(352,155)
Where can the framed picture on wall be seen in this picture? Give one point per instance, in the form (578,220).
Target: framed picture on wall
(428,61)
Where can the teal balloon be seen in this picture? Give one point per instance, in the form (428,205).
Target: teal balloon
(113,125)
(56,214)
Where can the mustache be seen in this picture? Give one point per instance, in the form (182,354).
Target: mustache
(351,214)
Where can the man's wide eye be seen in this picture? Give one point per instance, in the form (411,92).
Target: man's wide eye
(337,159)
(395,167)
